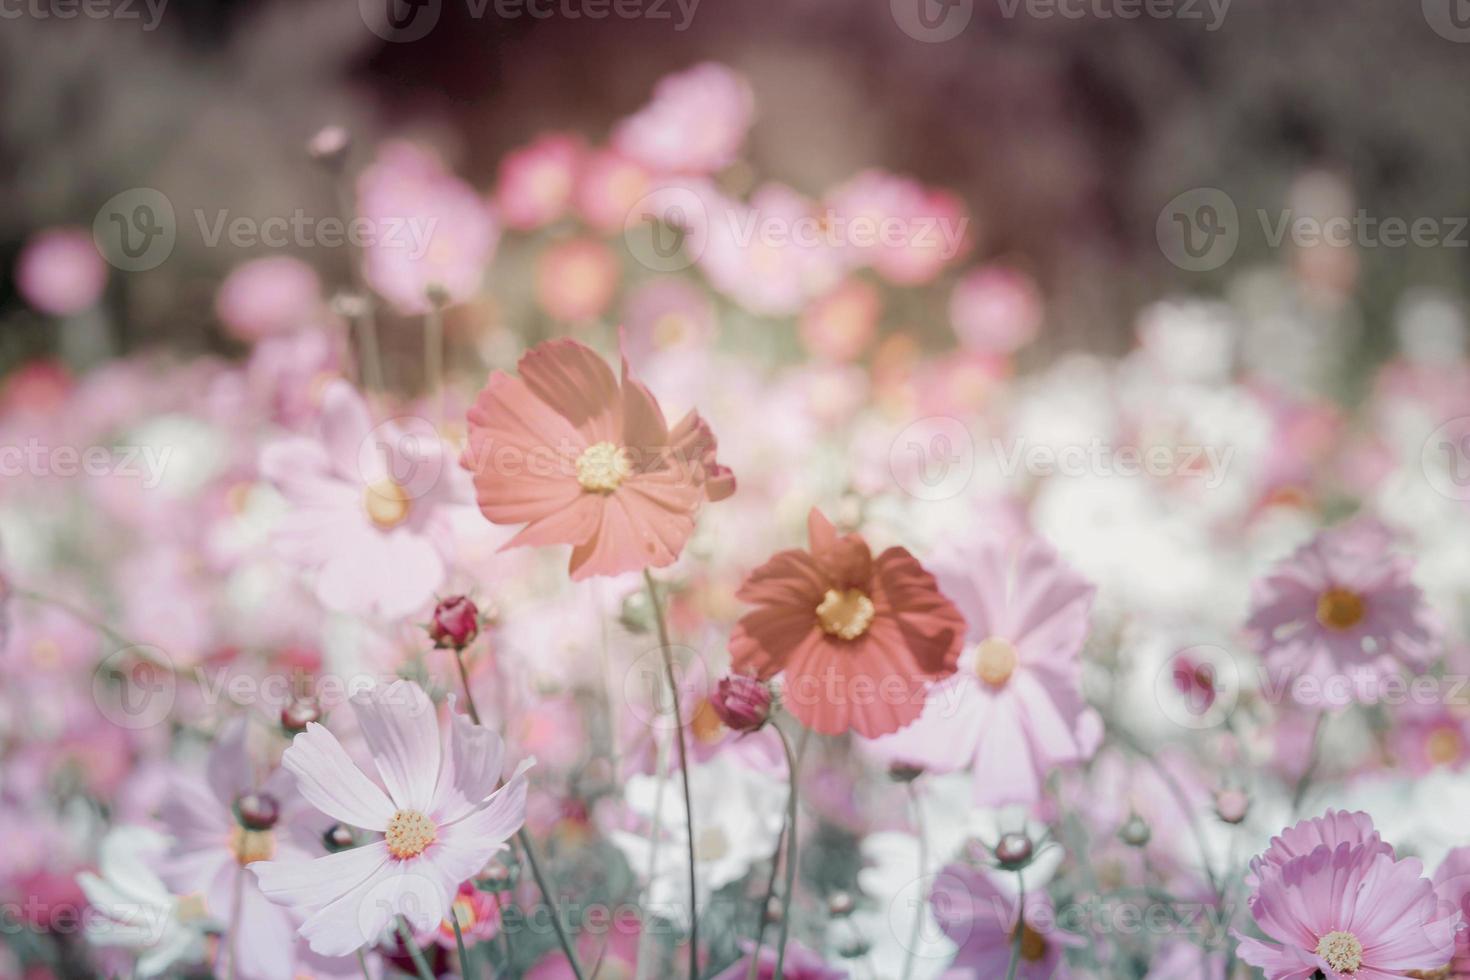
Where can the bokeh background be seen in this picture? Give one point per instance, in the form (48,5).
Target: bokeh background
(1065,135)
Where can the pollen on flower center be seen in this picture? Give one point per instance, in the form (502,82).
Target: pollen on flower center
(846,615)
(250,846)
(1033,944)
(387,503)
(409,834)
(995,660)
(1341,951)
(1443,746)
(1340,609)
(603,467)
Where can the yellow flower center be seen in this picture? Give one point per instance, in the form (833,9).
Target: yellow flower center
(1341,951)
(846,615)
(252,845)
(711,844)
(1443,746)
(670,329)
(409,834)
(1033,944)
(705,724)
(1340,609)
(995,661)
(191,908)
(603,467)
(387,504)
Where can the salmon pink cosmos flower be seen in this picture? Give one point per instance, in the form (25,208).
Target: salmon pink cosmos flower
(584,460)
(860,638)
(438,810)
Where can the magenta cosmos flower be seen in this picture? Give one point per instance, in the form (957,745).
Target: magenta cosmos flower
(371,508)
(437,808)
(584,460)
(1346,909)
(1014,710)
(983,919)
(1342,604)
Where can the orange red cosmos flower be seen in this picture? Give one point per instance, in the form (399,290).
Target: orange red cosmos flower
(583,459)
(860,639)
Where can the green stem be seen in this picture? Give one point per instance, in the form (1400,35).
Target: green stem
(1020,929)
(464,956)
(668,655)
(434,355)
(913,951)
(527,848)
(362,964)
(1308,774)
(414,953)
(791,855)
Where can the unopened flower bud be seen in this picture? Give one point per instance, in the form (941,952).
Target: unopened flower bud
(1232,805)
(742,703)
(1014,850)
(339,837)
(1135,832)
(257,811)
(329,146)
(300,713)
(855,949)
(456,623)
(636,614)
(904,772)
(840,905)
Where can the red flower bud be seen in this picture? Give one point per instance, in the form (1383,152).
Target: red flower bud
(743,703)
(257,811)
(300,713)
(456,623)
(1232,805)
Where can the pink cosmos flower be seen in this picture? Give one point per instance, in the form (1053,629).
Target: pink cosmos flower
(800,964)
(905,231)
(695,123)
(995,309)
(840,325)
(585,460)
(1349,912)
(576,279)
(429,229)
(1342,604)
(771,254)
(438,809)
(60,271)
(536,181)
(1014,710)
(371,507)
(608,187)
(667,315)
(1331,829)
(1452,886)
(223,825)
(269,296)
(983,919)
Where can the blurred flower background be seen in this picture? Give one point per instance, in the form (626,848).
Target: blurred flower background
(1014,456)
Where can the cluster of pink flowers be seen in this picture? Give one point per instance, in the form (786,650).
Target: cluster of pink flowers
(705,620)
